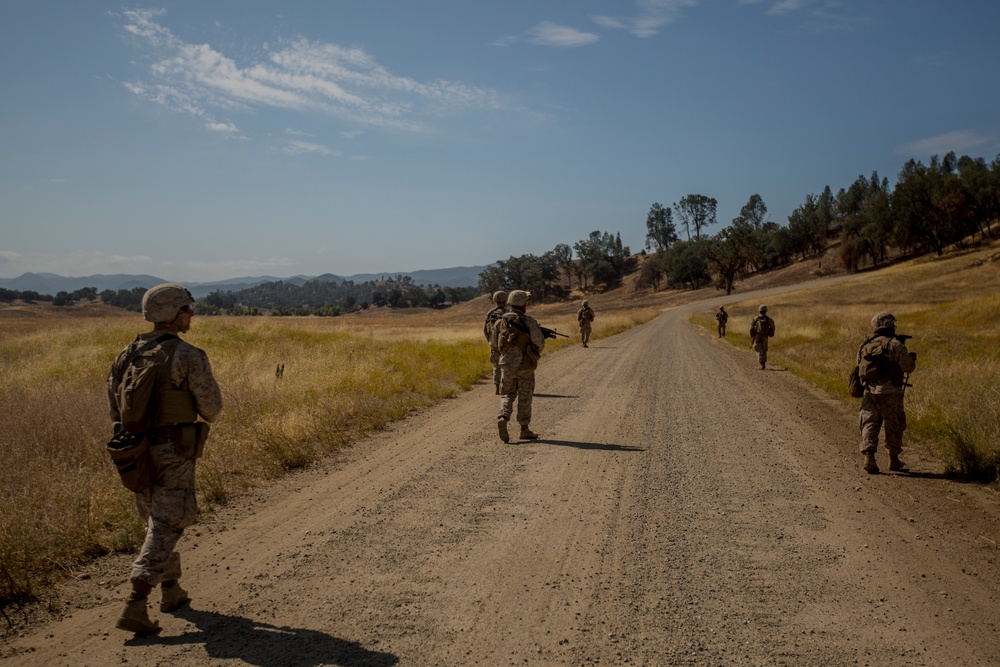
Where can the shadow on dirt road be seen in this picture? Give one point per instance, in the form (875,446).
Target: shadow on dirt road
(228,637)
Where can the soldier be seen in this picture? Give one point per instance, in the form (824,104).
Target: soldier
(722,317)
(520,341)
(170,505)
(584,317)
(761,329)
(500,307)
(883,364)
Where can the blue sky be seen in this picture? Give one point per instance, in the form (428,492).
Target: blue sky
(200,141)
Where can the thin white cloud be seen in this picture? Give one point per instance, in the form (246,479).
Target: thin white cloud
(821,15)
(296,75)
(786,7)
(7,256)
(224,128)
(305,147)
(351,134)
(552,34)
(650,16)
(957,141)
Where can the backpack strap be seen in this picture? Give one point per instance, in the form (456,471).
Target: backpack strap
(139,351)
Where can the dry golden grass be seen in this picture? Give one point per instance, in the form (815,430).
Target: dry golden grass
(343,377)
(951,307)
(61,497)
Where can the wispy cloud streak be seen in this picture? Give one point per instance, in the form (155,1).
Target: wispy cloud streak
(299,75)
(551,34)
(650,16)
(957,141)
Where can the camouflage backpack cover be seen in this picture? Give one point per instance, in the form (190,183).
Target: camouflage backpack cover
(139,376)
(513,331)
(762,326)
(876,365)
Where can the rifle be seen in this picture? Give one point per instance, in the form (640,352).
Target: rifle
(551,333)
(902,338)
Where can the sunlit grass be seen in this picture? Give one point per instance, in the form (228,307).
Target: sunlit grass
(951,307)
(343,377)
(61,499)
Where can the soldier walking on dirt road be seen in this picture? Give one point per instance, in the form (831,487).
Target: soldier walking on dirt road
(520,341)
(499,308)
(585,317)
(185,389)
(722,317)
(761,329)
(884,364)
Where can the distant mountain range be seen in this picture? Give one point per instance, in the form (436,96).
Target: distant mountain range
(52,284)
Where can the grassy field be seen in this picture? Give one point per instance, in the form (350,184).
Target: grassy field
(951,307)
(343,377)
(62,503)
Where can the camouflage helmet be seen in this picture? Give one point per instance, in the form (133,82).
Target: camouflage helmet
(499,296)
(163,302)
(586,303)
(762,310)
(883,321)
(519,298)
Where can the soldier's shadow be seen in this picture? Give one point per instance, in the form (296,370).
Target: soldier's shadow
(254,643)
(591,445)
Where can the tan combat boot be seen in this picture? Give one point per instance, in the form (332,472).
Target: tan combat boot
(174,597)
(135,617)
(871,466)
(896,464)
(527,433)
(502,429)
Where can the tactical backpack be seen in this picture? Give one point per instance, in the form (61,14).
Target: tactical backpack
(763,326)
(138,378)
(512,331)
(876,365)
(491,319)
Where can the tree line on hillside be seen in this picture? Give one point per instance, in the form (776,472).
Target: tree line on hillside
(63,298)
(330,298)
(315,297)
(601,259)
(932,206)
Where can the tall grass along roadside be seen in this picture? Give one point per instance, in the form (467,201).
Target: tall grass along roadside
(951,307)
(60,499)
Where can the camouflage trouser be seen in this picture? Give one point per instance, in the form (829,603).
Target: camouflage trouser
(879,409)
(585,332)
(519,385)
(495,360)
(722,328)
(760,347)
(168,508)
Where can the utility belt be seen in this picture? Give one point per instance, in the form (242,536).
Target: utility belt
(188,438)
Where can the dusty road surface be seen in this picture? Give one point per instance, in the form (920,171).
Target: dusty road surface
(682,508)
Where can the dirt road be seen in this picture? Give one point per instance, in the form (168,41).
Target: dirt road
(682,508)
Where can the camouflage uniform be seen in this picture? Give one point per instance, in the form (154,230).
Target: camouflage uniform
(517,378)
(882,403)
(722,317)
(170,506)
(499,298)
(585,316)
(759,340)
